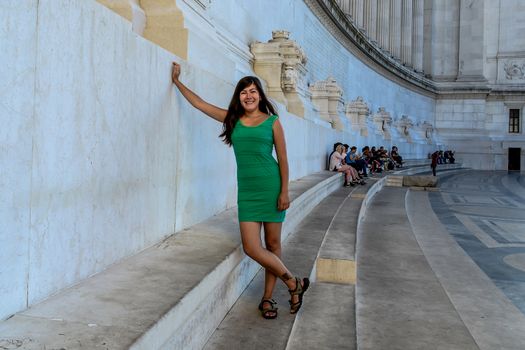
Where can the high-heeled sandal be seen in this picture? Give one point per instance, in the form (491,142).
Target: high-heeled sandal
(299,290)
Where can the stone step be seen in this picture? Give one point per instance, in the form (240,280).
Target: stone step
(326,320)
(336,258)
(400,303)
(243,326)
(394,181)
(158,298)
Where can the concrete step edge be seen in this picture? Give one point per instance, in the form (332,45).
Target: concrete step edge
(207,317)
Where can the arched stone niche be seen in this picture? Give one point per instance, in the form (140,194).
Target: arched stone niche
(382,122)
(357,112)
(327,96)
(281,62)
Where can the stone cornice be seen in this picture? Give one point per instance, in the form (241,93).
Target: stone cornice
(355,41)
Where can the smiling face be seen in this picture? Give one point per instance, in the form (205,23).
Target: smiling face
(250,98)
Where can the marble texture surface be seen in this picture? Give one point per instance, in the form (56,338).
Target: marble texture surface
(16,153)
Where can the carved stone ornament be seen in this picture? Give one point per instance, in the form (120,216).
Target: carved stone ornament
(382,122)
(514,70)
(357,112)
(281,63)
(424,131)
(403,126)
(327,97)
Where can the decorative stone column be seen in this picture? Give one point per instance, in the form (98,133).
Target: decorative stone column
(417,34)
(403,126)
(359,13)
(382,123)
(383,24)
(327,97)
(371,19)
(268,65)
(395,28)
(357,112)
(345,6)
(406,32)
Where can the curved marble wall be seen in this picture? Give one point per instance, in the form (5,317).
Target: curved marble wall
(102,158)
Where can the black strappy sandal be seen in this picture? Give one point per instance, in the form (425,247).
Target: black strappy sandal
(268,312)
(299,290)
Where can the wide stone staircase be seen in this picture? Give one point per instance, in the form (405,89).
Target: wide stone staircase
(197,289)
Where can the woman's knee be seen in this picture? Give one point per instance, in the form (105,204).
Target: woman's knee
(273,244)
(250,250)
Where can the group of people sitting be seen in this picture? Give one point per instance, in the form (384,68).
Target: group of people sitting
(356,165)
(443,157)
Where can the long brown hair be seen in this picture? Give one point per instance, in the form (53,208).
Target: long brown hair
(236,110)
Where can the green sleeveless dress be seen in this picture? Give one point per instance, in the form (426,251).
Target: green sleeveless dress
(258,177)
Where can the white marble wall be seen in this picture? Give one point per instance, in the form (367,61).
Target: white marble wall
(17,20)
(102,157)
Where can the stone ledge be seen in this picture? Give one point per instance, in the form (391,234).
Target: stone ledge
(157,298)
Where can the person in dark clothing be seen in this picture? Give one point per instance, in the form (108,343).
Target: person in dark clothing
(434,162)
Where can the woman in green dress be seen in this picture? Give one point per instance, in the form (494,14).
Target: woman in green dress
(252,127)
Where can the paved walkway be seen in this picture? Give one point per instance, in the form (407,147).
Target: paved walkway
(444,270)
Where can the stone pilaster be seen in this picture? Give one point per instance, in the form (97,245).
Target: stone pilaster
(327,97)
(395,28)
(417,34)
(357,112)
(382,123)
(444,41)
(406,32)
(383,24)
(471,48)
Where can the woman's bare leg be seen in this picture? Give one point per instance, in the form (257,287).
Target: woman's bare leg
(272,240)
(251,242)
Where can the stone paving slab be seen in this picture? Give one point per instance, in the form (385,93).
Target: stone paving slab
(491,317)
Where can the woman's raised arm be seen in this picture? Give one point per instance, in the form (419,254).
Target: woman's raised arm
(212,111)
